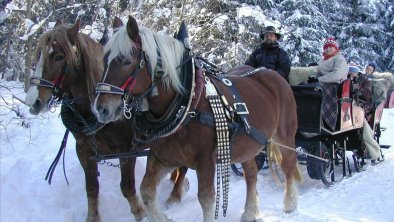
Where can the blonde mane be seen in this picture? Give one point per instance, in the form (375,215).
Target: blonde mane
(171,53)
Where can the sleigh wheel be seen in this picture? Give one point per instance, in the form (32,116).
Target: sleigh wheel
(320,170)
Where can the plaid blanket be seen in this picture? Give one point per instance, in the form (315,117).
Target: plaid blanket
(330,104)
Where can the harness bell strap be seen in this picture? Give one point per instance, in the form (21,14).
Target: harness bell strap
(223,146)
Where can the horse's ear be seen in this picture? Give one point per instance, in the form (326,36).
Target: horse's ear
(73,31)
(104,38)
(117,23)
(58,22)
(132,29)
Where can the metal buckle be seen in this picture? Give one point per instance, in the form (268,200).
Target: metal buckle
(241,108)
(126,109)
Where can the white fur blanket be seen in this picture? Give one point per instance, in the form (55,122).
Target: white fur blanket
(382,83)
(300,74)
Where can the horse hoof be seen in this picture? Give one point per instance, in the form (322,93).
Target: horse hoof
(289,209)
(140,214)
(172,199)
(93,218)
(290,206)
(161,218)
(250,216)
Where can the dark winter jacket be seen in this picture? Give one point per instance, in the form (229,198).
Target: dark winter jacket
(271,57)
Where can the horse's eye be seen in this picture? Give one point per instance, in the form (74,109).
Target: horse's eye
(127,62)
(59,57)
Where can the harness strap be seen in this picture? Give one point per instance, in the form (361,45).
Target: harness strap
(34,81)
(239,106)
(207,119)
(223,146)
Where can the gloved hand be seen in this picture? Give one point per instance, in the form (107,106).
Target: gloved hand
(312,79)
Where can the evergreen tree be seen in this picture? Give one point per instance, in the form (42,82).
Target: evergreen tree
(306,28)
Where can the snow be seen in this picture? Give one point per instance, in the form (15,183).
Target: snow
(29,144)
(256,13)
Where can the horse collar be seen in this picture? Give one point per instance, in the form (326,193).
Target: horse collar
(176,115)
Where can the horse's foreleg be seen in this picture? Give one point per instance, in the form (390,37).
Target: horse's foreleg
(206,191)
(91,182)
(127,185)
(155,171)
(181,184)
(251,210)
(290,169)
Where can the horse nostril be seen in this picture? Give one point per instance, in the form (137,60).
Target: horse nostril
(36,107)
(103,111)
(37,104)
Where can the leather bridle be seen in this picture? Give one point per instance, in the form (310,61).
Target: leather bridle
(56,86)
(130,102)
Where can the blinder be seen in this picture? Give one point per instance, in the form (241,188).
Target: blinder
(56,85)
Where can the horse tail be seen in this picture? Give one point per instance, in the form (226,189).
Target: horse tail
(274,155)
(297,173)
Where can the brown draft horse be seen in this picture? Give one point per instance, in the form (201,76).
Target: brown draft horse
(72,62)
(269,99)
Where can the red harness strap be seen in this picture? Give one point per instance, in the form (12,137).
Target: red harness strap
(130,83)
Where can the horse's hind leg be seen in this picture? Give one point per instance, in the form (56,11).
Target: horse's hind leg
(127,185)
(155,171)
(181,183)
(251,205)
(291,171)
(91,182)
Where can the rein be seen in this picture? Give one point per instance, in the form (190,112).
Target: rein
(62,150)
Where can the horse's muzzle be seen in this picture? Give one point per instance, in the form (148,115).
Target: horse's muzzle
(36,107)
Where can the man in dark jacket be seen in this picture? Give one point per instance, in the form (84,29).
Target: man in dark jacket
(270,55)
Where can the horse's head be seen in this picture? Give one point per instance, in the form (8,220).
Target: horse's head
(136,60)
(60,55)
(54,48)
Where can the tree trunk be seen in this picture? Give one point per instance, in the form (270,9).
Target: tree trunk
(182,11)
(27,73)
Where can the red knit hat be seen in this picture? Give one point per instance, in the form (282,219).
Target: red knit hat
(331,42)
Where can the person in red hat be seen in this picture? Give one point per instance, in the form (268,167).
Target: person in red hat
(331,71)
(270,55)
(333,67)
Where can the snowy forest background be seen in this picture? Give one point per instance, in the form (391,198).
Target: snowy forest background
(224,31)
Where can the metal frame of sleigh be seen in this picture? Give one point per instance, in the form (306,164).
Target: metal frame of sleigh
(324,151)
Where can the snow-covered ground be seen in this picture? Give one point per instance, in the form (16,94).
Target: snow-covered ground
(28,146)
